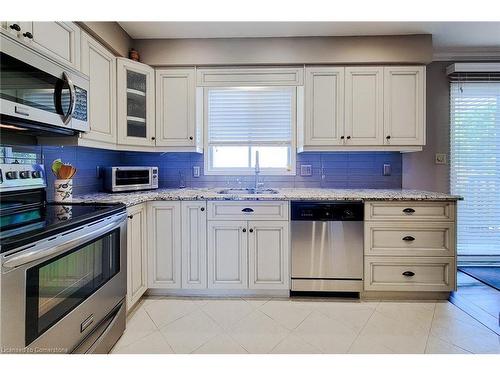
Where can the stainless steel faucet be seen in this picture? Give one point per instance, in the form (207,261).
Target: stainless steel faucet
(258,184)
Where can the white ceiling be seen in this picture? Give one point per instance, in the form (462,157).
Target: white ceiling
(447,36)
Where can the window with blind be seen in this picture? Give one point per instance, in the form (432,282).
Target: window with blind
(243,120)
(475,165)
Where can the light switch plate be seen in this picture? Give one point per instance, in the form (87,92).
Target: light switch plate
(440,159)
(196,171)
(306,170)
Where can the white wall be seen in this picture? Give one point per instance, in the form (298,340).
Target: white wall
(419,168)
(395,49)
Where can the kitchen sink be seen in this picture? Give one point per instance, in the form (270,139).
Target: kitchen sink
(247,191)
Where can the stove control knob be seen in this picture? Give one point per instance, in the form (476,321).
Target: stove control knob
(11,175)
(36,174)
(24,174)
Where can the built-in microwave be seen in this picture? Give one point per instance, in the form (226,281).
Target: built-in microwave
(130,178)
(39,96)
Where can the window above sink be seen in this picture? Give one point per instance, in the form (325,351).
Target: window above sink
(243,120)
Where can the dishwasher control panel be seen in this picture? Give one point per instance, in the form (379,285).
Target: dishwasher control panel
(327,211)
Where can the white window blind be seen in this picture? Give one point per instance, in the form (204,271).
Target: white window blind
(475,165)
(242,120)
(251,116)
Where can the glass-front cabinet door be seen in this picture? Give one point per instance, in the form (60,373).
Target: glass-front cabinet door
(136,123)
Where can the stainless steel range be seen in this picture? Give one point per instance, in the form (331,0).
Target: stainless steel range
(63,269)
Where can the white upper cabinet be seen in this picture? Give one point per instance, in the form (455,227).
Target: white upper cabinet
(404,105)
(324,106)
(100,65)
(194,244)
(164,244)
(175,108)
(364,108)
(364,95)
(135,103)
(17,29)
(58,40)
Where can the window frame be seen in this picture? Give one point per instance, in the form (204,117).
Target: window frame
(209,170)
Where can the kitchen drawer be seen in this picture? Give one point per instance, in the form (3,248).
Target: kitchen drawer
(409,239)
(425,274)
(410,211)
(248,210)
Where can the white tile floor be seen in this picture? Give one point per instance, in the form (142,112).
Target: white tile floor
(295,326)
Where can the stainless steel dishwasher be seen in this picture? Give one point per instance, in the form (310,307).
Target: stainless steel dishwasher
(327,246)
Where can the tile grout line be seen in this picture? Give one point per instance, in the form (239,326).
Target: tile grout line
(442,338)
(362,328)
(224,330)
(430,328)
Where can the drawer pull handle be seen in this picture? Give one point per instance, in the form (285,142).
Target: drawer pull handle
(15,27)
(244,230)
(409,211)
(247,209)
(409,238)
(408,273)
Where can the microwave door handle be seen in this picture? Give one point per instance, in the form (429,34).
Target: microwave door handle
(72,99)
(51,249)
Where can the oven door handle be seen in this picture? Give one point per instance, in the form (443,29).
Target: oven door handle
(48,248)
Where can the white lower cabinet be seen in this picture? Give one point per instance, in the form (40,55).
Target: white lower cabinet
(194,244)
(187,251)
(410,247)
(136,254)
(245,253)
(164,228)
(410,274)
(268,249)
(227,254)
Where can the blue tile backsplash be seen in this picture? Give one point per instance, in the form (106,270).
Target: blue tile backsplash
(329,169)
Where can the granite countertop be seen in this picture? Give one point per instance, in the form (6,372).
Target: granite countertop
(132,198)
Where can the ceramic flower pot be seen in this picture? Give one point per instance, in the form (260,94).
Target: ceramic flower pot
(63,190)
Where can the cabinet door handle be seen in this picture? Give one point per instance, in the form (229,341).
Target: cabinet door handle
(244,230)
(202,209)
(153,138)
(130,216)
(342,137)
(28,35)
(408,273)
(409,238)
(191,138)
(348,137)
(409,211)
(251,230)
(15,27)
(388,137)
(247,209)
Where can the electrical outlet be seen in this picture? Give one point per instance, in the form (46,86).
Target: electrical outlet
(196,171)
(440,159)
(387,169)
(306,170)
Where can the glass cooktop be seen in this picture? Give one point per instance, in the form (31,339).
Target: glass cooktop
(29,223)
